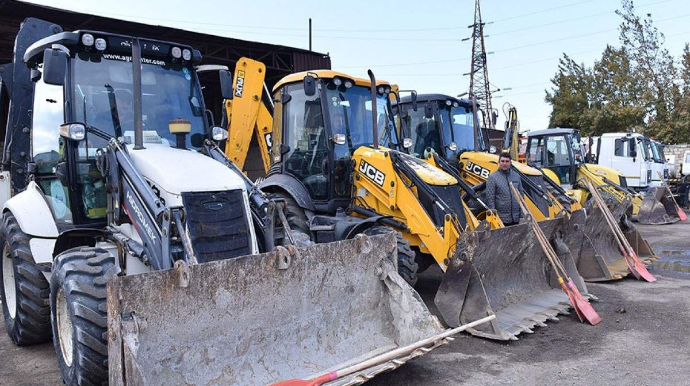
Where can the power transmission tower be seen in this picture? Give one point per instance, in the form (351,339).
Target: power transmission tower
(479,74)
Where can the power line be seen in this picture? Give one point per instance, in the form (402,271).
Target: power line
(493,34)
(542,11)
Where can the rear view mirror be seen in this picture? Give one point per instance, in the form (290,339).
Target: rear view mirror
(226,84)
(428,111)
(309,85)
(54,66)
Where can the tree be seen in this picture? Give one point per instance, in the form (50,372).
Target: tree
(637,86)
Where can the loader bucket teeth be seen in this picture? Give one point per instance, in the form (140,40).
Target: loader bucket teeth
(657,208)
(293,313)
(512,279)
(600,256)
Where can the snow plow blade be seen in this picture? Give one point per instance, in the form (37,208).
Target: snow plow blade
(504,271)
(600,256)
(657,208)
(254,320)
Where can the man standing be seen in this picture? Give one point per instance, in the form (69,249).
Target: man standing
(499,196)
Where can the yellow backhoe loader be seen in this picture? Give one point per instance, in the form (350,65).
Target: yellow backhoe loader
(557,152)
(454,139)
(337,163)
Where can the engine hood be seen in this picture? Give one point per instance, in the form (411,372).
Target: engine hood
(173,171)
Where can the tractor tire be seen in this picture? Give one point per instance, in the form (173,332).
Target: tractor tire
(79,314)
(407,266)
(25,290)
(297,219)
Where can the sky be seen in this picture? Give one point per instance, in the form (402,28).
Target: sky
(418,44)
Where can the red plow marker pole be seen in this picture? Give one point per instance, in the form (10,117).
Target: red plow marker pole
(579,303)
(385,357)
(639,269)
(681,213)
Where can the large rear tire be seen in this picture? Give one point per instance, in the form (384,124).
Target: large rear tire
(24,289)
(407,266)
(297,219)
(79,314)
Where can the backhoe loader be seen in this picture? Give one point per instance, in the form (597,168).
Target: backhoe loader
(337,163)
(146,254)
(557,151)
(445,132)
(455,137)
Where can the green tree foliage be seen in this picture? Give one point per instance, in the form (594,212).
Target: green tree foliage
(637,86)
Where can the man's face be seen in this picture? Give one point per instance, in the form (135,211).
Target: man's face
(504,163)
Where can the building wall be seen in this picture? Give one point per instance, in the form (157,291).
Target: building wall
(678,151)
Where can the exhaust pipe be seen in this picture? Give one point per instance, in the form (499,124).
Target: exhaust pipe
(136,95)
(374,114)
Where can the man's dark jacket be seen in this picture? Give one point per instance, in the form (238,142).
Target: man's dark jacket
(500,197)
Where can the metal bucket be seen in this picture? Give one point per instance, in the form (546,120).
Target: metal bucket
(657,208)
(504,271)
(256,320)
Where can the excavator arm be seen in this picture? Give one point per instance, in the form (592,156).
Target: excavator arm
(247,109)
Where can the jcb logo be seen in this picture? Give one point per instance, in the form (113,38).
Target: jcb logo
(372,173)
(478,170)
(239,88)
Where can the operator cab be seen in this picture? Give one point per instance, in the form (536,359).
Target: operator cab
(83,85)
(557,150)
(439,123)
(320,119)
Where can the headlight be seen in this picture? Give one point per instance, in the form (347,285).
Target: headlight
(337,82)
(176,52)
(219,133)
(100,44)
(348,84)
(73,131)
(453,146)
(87,40)
(449,102)
(407,143)
(381,90)
(186,54)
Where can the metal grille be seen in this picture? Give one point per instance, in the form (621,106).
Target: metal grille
(217,224)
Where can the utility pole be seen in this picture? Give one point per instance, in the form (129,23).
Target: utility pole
(479,74)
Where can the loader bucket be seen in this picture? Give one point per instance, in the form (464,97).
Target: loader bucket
(293,313)
(600,256)
(505,271)
(657,208)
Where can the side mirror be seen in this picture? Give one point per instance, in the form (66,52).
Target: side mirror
(413,97)
(494,117)
(226,84)
(309,85)
(54,66)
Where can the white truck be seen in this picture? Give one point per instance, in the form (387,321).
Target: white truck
(630,153)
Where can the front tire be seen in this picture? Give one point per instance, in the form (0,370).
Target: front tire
(407,266)
(24,289)
(79,314)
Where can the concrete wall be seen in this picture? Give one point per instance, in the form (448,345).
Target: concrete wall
(678,151)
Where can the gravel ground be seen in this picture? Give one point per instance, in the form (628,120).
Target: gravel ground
(643,338)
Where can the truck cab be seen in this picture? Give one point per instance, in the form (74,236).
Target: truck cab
(632,155)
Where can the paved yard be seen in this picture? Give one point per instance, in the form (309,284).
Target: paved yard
(643,338)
